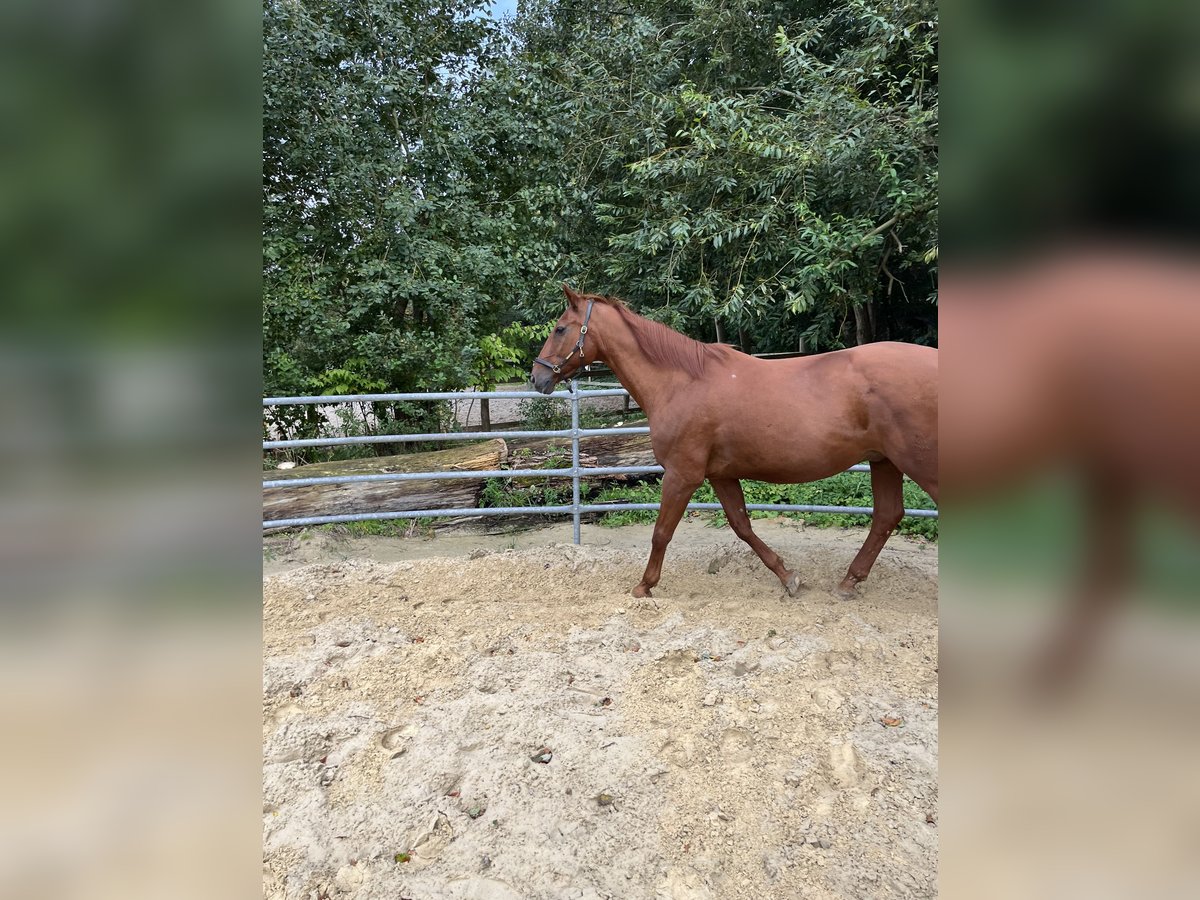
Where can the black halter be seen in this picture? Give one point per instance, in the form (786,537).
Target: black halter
(557,368)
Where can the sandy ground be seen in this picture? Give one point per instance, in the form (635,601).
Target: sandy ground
(494,716)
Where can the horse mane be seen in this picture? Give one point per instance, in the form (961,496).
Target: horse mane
(663,345)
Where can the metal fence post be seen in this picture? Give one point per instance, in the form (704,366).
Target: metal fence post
(575,457)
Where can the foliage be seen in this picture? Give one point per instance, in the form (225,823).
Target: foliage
(396,528)
(544,415)
(758,171)
(390,245)
(548,415)
(641,492)
(843,489)
(507,355)
(551,491)
(351,378)
(764,166)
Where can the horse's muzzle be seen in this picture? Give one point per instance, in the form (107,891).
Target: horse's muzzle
(542,380)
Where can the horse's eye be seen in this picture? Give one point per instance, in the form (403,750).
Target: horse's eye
(560,329)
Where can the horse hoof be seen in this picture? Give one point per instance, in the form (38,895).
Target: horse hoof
(793,585)
(848,589)
(641,591)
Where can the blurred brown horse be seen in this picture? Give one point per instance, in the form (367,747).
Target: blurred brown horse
(1087,360)
(720,414)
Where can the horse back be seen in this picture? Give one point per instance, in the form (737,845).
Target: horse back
(806,418)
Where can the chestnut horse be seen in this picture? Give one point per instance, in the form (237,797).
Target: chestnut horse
(720,414)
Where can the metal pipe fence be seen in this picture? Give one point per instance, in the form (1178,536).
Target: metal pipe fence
(576,472)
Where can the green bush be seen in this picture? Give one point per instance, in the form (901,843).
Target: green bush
(553,491)
(844,489)
(548,415)
(545,415)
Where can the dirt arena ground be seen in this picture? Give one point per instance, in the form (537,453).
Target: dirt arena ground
(495,717)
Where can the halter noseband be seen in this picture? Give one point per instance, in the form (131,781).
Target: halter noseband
(556,368)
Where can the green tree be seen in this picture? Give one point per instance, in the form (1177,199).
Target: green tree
(757,171)
(388,243)
(747,169)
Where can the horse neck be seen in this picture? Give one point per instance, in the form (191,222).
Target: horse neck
(649,383)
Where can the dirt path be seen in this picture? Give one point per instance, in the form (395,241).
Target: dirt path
(717,741)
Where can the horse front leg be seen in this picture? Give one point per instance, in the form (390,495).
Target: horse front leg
(733,501)
(677,490)
(887,493)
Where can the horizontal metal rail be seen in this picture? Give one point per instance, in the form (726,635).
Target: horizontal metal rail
(467,473)
(448,436)
(443,395)
(575,472)
(562,510)
(763,507)
(421,514)
(583,471)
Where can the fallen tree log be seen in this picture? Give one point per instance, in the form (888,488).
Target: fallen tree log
(303,501)
(601,450)
(532,453)
(286,502)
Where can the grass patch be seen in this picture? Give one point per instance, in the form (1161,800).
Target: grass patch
(554,490)
(1035,533)
(399,528)
(843,489)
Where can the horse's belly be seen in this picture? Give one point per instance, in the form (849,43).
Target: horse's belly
(786,466)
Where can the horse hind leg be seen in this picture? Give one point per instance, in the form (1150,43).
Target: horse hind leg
(887,490)
(1102,586)
(921,469)
(733,501)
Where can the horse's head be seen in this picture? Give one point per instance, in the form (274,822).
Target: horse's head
(567,350)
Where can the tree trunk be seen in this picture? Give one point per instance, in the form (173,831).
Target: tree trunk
(485,414)
(601,450)
(863,330)
(456,493)
(384,496)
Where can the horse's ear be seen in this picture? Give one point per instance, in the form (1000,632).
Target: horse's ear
(573,298)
